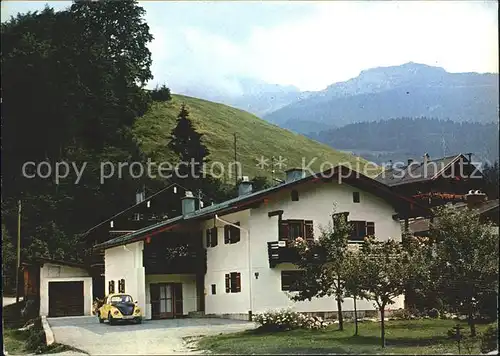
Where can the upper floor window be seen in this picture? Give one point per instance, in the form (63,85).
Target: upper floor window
(121,286)
(291,229)
(231,233)
(295,195)
(361,229)
(355,197)
(212,238)
(233,282)
(290,279)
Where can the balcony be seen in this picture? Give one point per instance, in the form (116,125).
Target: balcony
(280,252)
(159,262)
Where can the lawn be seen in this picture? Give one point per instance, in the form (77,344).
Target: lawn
(427,336)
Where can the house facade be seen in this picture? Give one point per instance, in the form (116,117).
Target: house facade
(238,261)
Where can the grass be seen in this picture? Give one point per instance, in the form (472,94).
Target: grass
(218,123)
(402,337)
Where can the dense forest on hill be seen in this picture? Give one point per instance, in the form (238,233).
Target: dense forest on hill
(403,138)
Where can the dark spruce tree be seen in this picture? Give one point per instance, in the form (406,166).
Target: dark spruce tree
(186,142)
(161,93)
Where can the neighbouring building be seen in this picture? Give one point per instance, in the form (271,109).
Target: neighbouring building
(58,288)
(434,182)
(234,259)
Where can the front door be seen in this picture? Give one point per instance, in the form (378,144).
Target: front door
(166,300)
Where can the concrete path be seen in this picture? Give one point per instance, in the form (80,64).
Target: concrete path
(152,337)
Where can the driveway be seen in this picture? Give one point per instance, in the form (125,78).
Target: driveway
(152,337)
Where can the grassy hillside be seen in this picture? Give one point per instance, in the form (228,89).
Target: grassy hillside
(218,123)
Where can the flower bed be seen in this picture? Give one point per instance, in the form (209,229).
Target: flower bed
(285,319)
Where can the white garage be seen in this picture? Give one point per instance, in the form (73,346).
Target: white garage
(65,289)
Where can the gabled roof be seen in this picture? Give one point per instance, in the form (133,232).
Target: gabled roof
(244,202)
(418,171)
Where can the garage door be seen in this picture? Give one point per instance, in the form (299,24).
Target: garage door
(65,298)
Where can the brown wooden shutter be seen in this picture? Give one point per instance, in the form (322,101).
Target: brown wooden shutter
(226,234)
(111,287)
(238,282)
(309,227)
(228,283)
(370,228)
(215,239)
(209,238)
(235,233)
(283,230)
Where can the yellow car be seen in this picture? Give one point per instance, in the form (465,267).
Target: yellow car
(119,307)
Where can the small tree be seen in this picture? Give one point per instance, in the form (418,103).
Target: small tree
(384,266)
(161,93)
(354,282)
(324,264)
(465,266)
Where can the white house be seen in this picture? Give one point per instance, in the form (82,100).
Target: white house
(240,263)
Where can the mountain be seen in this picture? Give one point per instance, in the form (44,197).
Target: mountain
(403,138)
(409,90)
(254,96)
(218,123)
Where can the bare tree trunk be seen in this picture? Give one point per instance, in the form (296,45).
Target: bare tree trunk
(355,318)
(382,325)
(341,318)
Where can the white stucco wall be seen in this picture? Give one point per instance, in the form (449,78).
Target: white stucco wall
(315,203)
(50,272)
(126,262)
(189,297)
(223,259)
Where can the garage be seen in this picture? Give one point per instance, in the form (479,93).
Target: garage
(66,298)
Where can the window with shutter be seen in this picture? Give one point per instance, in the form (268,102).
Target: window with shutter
(355,197)
(283,230)
(214,237)
(111,287)
(235,282)
(295,195)
(296,229)
(370,228)
(226,234)
(214,289)
(309,227)
(121,286)
(228,283)
(358,231)
(208,233)
(289,280)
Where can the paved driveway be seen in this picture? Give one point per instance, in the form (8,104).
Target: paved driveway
(152,337)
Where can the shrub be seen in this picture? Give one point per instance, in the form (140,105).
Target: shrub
(433,313)
(402,314)
(286,319)
(489,339)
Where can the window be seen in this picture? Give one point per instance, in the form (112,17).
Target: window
(289,280)
(211,235)
(214,289)
(138,216)
(355,197)
(231,234)
(295,195)
(361,229)
(121,286)
(291,229)
(111,287)
(233,282)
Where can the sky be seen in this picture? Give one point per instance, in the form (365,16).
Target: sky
(308,45)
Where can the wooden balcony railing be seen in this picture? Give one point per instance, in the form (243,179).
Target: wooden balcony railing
(281,252)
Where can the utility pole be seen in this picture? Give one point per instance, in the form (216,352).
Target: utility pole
(235,160)
(18,249)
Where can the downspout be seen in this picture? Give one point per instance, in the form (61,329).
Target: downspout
(248,257)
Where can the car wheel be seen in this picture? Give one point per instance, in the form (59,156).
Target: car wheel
(110,319)
(99,317)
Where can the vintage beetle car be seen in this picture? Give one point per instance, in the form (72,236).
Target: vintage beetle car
(119,307)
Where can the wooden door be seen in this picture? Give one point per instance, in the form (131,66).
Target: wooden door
(166,300)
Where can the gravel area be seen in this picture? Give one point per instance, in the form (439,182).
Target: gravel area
(152,337)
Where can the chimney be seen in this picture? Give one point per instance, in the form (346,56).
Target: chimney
(427,158)
(188,203)
(294,174)
(245,187)
(475,198)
